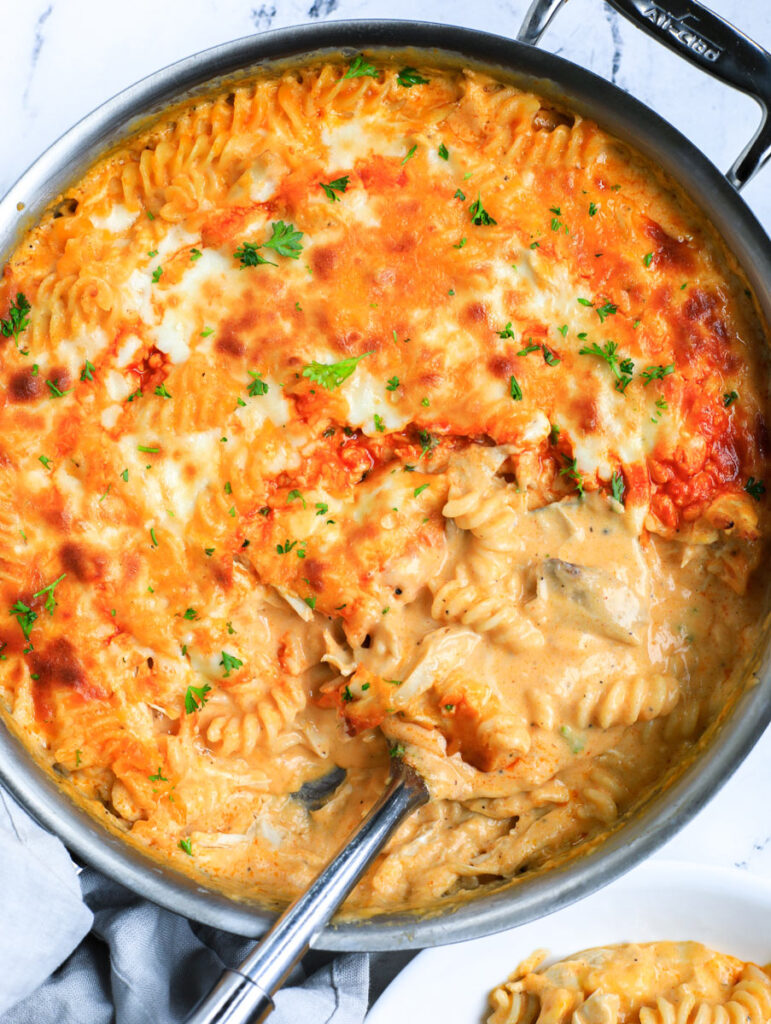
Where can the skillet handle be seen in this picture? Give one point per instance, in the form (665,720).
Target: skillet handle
(244,996)
(705,40)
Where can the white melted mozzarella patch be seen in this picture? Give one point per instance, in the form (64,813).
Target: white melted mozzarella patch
(356,139)
(117,221)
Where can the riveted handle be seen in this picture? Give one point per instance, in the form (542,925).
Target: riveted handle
(704,39)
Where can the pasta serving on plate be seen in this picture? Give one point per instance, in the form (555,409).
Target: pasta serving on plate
(363,410)
(636,983)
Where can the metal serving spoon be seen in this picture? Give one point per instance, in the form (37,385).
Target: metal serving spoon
(243,995)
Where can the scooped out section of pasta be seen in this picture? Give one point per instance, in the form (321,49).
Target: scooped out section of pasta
(370,411)
(635,983)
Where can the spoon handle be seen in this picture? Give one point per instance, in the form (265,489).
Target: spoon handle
(243,996)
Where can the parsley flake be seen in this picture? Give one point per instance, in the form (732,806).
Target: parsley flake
(479,214)
(622,369)
(157,274)
(410,154)
(230,663)
(359,68)
(257,386)
(295,495)
(656,373)
(87,373)
(515,390)
(393,384)
(443,152)
(408,77)
(729,397)
(756,488)
(285,240)
(17,320)
(161,391)
(332,375)
(331,188)
(617,486)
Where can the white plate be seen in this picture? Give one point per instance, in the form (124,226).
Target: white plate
(727,909)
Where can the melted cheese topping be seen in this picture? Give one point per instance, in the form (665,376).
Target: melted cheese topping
(647,983)
(350,416)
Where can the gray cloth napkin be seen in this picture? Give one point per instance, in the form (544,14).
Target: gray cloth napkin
(116,957)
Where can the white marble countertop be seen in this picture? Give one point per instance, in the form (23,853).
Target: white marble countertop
(61,58)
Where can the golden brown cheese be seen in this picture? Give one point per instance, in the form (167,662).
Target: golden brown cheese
(345,412)
(635,983)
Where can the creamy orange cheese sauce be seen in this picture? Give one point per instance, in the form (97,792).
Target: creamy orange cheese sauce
(347,416)
(635,983)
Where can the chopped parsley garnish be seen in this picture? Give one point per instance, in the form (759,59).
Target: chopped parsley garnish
(359,68)
(124,476)
(410,154)
(622,368)
(87,373)
(190,614)
(286,547)
(428,442)
(55,392)
(331,188)
(586,302)
(617,486)
(661,407)
(24,616)
(195,254)
(311,602)
(187,846)
(729,397)
(593,209)
(285,240)
(158,777)
(45,460)
(17,319)
(206,332)
(419,490)
(570,470)
(573,740)
(230,663)
(332,375)
(393,384)
(507,332)
(656,373)
(49,592)
(563,330)
(346,694)
(135,394)
(443,152)
(295,495)
(460,244)
(228,488)
(161,391)
(379,424)
(605,310)
(321,508)
(755,487)
(479,214)
(554,434)
(157,274)
(257,386)
(248,256)
(550,358)
(153,538)
(648,259)
(396,749)
(515,390)
(408,77)
(459,195)
(530,347)
(148,449)
(152,254)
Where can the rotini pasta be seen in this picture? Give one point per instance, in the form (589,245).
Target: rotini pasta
(650,983)
(359,411)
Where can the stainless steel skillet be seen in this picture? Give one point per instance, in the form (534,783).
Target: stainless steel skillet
(701,38)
